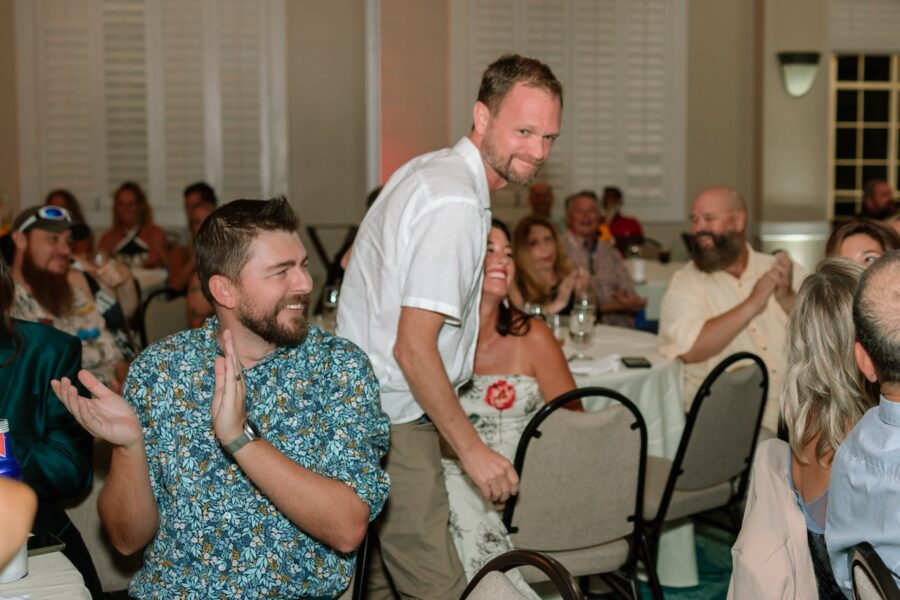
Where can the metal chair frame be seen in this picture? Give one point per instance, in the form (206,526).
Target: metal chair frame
(653,527)
(638,548)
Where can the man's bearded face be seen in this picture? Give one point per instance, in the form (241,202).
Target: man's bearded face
(712,252)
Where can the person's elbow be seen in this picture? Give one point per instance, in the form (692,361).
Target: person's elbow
(404,353)
(352,530)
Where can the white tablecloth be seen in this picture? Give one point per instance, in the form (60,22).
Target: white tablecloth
(657,393)
(50,577)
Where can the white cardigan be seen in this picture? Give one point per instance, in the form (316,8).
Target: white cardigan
(771,557)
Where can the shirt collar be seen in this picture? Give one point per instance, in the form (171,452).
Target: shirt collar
(472,156)
(210,344)
(889,412)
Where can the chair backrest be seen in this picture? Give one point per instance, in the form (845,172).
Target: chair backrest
(163,312)
(490,583)
(872,580)
(722,426)
(582,475)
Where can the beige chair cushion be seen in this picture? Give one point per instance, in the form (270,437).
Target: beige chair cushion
(684,502)
(587,561)
(864,586)
(495,586)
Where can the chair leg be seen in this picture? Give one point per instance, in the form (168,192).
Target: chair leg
(650,563)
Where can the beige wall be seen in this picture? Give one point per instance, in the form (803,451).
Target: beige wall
(327,116)
(415,76)
(721,103)
(9,129)
(794,130)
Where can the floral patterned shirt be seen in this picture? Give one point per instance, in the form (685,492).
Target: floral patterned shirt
(99,352)
(219,536)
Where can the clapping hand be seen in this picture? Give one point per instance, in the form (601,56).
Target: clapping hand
(106,416)
(228,412)
(783,270)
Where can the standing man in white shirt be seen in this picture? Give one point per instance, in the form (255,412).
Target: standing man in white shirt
(410,301)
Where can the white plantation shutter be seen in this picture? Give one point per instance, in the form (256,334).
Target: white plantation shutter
(163,92)
(56,102)
(623,68)
(239,77)
(125,92)
(866,26)
(181,58)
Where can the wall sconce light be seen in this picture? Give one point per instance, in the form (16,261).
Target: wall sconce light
(798,71)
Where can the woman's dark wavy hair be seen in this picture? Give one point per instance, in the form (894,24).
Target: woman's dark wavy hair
(7,297)
(510,320)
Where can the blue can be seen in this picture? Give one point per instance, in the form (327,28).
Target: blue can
(9,466)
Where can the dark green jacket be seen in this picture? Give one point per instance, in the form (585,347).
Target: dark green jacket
(53,449)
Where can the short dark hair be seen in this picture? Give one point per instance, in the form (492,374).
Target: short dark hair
(588,193)
(222,245)
(881,233)
(508,70)
(205,190)
(876,317)
(869,187)
(613,191)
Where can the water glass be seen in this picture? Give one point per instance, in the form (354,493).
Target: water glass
(581,329)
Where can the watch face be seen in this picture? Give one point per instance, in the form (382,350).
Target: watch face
(254,430)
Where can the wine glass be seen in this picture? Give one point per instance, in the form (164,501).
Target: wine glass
(330,296)
(533,309)
(581,329)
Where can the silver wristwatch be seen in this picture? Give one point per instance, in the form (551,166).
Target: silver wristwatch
(249,434)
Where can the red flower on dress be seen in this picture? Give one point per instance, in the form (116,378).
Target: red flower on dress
(500,395)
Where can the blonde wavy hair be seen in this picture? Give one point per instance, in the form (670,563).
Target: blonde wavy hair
(824,392)
(528,281)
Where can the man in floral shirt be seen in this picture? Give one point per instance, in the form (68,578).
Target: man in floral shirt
(247,454)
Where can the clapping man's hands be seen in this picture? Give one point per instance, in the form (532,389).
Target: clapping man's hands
(106,416)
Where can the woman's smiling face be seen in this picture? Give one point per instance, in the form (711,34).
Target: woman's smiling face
(499,267)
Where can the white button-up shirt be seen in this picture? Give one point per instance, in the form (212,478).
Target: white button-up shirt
(421,245)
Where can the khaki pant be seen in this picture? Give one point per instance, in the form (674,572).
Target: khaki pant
(416,548)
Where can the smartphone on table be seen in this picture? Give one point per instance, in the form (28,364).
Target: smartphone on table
(636,362)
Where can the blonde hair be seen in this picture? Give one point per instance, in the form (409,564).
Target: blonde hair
(528,280)
(824,392)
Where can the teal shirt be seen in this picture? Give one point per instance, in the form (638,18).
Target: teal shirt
(53,449)
(219,536)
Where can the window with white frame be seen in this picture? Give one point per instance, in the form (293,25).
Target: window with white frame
(865,127)
(162,92)
(623,68)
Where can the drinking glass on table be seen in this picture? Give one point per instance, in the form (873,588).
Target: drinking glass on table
(581,328)
(330,296)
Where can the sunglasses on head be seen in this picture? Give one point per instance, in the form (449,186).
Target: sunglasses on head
(50,213)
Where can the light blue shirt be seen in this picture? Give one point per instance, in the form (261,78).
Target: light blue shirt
(864,495)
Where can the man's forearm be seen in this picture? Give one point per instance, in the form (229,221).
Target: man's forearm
(428,381)
(326,509)
(126,504)
(718,332)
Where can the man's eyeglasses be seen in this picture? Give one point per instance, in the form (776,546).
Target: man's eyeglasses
(50,213)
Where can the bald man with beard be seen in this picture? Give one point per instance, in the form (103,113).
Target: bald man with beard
(728,299)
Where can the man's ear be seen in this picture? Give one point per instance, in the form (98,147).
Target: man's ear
(741,218)
(20,240)
(481,117)
(223,291)
(864,362)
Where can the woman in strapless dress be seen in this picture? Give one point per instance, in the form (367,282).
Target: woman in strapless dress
(519,365)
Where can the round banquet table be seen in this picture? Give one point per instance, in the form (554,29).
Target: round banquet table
(50,577)
(657,393)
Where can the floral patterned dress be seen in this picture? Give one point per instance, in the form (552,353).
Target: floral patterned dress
(499,407)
